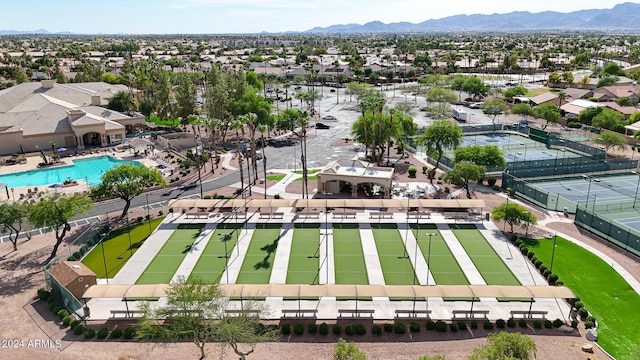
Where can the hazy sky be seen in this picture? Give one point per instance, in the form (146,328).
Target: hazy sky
(248,16)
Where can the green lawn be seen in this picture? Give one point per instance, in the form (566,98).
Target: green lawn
(276,177)
(444,267)
(348,262)
(162,268)
(213,262)
(258,262)
(602,290)
(396,268)
(309,171)
(303,260)
(493,270)
(117,250)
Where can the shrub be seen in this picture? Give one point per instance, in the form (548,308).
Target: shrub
(500,324)
(530,255)
(414,327)
(537,263)
(89,333)
(129,332)
(462,325)
(559,283)
(90,242)
(62,313)
(537,324)
(78,329)
(588,324)
(511,323)
(337,329)
(399,328)
(515,240)
(160,213)
(524,251)
(583,313)
(73,323)
(77,255)
(323,329)
(487,325)
(388,328)
(350,330)
(574,323)
(578,305)
(533,259)
(548,324)
(285,329)
(360,329)
(139,219)
(552,279)
(103,333)
(116,333)
(474,324)
(491,181)
(546,273)
(376,330)
(312,328)
(298,329)
(53,305)
(591,318)
(431,325)
(71,258)
(453,327)
(66,320)
(83,249)
(522,323)
(412,172)
(441,326)
(557,323)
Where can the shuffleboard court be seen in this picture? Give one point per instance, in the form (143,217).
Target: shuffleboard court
(258,262)
(443,264)
(213,261)
(397,269)
(349,264)
(162,268)
(304,257)
(493,270)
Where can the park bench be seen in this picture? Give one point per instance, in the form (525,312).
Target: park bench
(301,313)
(526,314)
(309,215)
(236,313)
(277,215)
(345,215)
(412,314)
(127,314)
(264,215)
(353,313)
(196,215)
(418,215)
(381,215)
(470,314)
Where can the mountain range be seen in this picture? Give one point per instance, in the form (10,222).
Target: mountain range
(622,17)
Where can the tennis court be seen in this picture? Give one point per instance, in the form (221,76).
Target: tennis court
(499,140)
(633,222)
(593,189)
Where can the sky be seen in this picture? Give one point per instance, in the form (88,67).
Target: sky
(248,16)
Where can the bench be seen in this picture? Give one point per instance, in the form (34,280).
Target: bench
(353,313)
(345,215)
(525,314)
(418,215)
(236,313)
(381,215)
(301,313)
(127,314)
(264,215)
(456,215)
(235,214)
(412,314)
(309,215)
(277,215)
(470,314)
(196,215)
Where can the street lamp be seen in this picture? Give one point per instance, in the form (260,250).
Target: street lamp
(225,238)
(129,235)
(635,197)
(326,234)
(146,195)
(553,252)
(526,233)
(429,255)
(585,177)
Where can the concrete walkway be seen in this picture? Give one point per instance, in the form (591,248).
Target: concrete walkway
(370,252)
(465,262)
(283,253)
(236,258)
(191,259)
(415,256)
(327,266)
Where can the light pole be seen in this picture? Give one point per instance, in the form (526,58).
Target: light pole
(129,235)
(526,232)
(588,190)
(13,194)
(635,197)
(429,255)
(146,195)
(553,252)
(326,234)
(104,258)
(225,238)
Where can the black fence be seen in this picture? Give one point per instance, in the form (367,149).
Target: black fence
(616,233)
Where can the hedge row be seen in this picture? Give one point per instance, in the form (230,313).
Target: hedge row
(544,271)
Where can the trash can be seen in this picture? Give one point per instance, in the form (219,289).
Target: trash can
(486,216)
(566,212)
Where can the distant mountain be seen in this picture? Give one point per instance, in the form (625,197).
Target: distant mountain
(34,32)
(624,17)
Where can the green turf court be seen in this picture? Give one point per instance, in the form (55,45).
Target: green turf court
(213,261)
(258,262)
(349,264)
(443,265)
(304,259)
(493,270)
(165,264)
(397,268)
(117,249)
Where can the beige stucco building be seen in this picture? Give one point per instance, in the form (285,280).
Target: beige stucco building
(355,175)
(33,115)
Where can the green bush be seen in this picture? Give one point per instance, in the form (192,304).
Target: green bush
(487,325)
(129,332)
(522,323)
(298,329)
(103,333)
(312,328)
(462,325)
(323,329)
(62,313)
(559,283)
(574,323)
(350,330)
(583,313)
(537,324)
(474,324)
(116,333)
(431,325)
(524,251)
(53,305)
(414,327)
(71,258)
(500,324)
(388,328)
(337,329)
(360,329)
(83,249)
(43,294)
(557,323)
(376,330)
(546,273)
(530,255)
(578,305)
(285,329)
(548,324)
(77,255)
(441,326)
(552,279)
(66,320)
(491,181)
(73,323)
(89,333)
(591,318)
(78,329)
(399,328)
(542,268)
(511,323)
(588,324)
(90,242)
(537,263)
(412,172)
(453,327)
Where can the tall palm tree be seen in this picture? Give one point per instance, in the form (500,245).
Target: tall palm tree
(263,129)
(238,126)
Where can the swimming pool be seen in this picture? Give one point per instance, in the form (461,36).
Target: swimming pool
(92,169)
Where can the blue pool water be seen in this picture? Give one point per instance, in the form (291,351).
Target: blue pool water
(92,168)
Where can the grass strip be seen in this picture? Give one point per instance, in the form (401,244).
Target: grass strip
(443,264)
(258,262)
(213,261)
(396,268)
(304,258)
(349,264)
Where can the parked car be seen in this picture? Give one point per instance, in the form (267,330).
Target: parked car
(329,117)
(476,105)
(322,126)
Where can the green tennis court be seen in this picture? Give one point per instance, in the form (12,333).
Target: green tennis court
(258,262)
(213,261)
(443,264)
(397,268)
(304,258)
(164,265)
(493,270)
(349,262)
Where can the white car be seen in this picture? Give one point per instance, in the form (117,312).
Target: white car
(477,105)
(328,117)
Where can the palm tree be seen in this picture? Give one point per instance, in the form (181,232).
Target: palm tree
(263,129)
(238,126)
(212,125)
